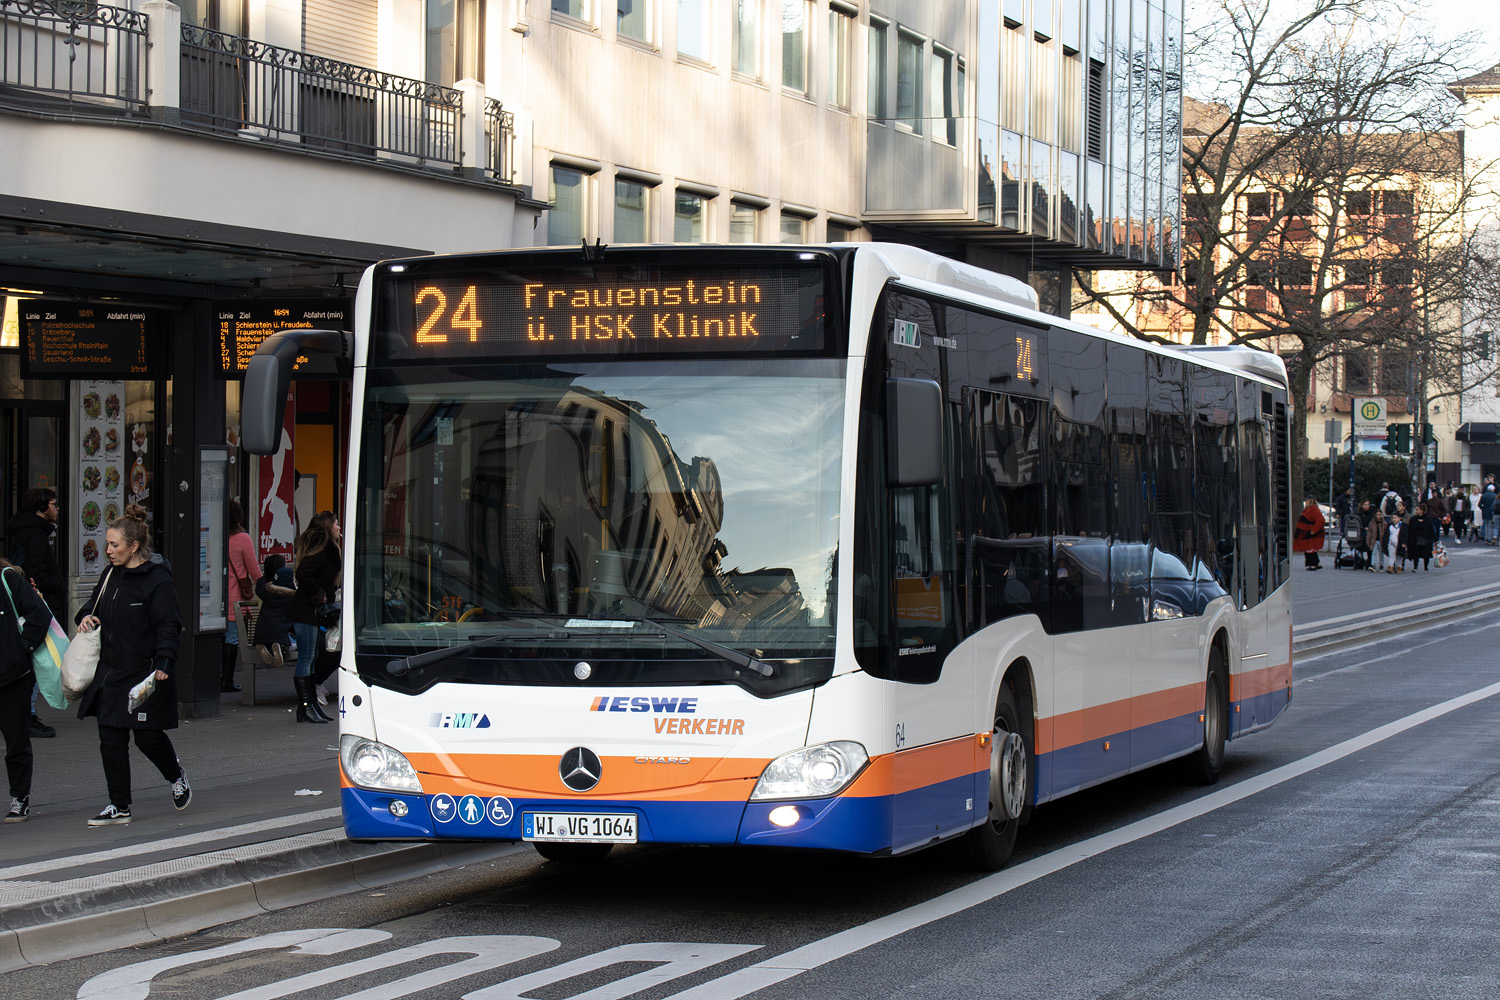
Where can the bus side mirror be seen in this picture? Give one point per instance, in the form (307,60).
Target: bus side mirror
(268,378)
(913,431)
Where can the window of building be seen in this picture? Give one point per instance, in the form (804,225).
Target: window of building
(1295,271)
(909,81)
(841,232)
(878,72)
(454,41)
(747,37)
(942,109)
(1258,206)
(793,227)
(690,217)
(1043,88)
(1396,202)
(796,18)
(840,34)
(1070,105)
(568,193)
(1357,202)
(744,222)
(1013,77)
(695,29)
(1094,118)
(227,16)
(572,8)
(632,211)
(633,19)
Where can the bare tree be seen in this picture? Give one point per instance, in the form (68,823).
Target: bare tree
(1309,118)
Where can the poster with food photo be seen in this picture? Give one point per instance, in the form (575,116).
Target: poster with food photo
(102,468)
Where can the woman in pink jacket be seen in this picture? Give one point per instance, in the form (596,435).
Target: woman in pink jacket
(243,566)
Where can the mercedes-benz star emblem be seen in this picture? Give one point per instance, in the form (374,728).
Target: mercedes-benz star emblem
(580,769)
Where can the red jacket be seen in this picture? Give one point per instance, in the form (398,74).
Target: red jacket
(1308,535)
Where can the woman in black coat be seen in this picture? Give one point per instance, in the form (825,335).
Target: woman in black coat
(135,603)
(16,645)
(1421,535)
(319,568)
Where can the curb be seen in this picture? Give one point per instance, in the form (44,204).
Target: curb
(1334,634)
(143,906)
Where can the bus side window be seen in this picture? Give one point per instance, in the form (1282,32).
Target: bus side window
(1009,550)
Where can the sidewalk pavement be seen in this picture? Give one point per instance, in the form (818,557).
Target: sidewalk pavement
(263,830)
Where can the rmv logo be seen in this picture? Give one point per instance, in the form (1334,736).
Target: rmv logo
(461,720)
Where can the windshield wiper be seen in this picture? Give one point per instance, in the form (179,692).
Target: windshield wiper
(400,666)
(729,653)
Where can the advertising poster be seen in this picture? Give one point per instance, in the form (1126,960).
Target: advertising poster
(102,473)
(275,523)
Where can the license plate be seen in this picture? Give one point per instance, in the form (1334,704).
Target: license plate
(579,828)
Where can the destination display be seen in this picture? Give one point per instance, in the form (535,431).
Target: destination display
(241,327)
(607,311)
(74,340)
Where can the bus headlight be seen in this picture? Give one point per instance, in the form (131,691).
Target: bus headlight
(812,772)
(374,765)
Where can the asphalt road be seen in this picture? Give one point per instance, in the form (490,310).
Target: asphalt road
(1351,850)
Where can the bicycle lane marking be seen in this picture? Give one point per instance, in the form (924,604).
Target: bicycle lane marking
(834,947)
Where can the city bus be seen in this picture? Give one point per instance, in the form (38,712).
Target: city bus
(841,547)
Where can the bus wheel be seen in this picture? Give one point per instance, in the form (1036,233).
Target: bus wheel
(988,846)
(1202,767)
(572,854)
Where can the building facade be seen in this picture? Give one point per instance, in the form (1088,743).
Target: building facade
(181,180)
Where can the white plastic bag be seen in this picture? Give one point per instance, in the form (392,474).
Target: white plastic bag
(79,663)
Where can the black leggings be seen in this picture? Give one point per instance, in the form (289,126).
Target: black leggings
(15,724)
(114,748)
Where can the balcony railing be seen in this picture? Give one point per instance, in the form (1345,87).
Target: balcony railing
(85,56)
(238,84)
(500,130)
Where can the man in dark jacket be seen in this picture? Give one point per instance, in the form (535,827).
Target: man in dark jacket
(29,545)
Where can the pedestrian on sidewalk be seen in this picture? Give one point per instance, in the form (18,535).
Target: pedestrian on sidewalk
(1395,550)
(16,682)
(1375,538)
(1421,536)
(30,533)
(1362,548)
(135,606)
(1309,534)
(318,570)
(273,626)
(244,570)
(1458,510)
(1487,509)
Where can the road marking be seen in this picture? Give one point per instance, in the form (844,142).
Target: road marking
(818,953)
(174,844)
(1399,654)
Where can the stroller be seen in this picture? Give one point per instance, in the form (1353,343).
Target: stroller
(1351,537)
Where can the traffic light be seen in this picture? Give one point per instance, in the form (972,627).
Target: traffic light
(1390,438)
(1403,439)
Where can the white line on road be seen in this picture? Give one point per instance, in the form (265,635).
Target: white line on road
(172,844)
(837,946)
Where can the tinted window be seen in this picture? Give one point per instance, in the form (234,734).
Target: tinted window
(1216,507)
(1009,545)
(1079,480)
(1130,557)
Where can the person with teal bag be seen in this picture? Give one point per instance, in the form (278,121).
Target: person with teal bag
(17,643)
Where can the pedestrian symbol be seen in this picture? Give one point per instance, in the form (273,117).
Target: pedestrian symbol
(470,809)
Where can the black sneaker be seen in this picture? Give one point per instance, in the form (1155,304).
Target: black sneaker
(40,729)
(111,815)
(20,810)
(181,793)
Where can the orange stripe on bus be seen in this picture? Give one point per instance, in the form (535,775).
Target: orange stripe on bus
(1099,721)
(1253,683)
(908,770)
(523,775)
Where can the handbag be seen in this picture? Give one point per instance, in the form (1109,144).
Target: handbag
(247,588)
(82,657)
(46,659)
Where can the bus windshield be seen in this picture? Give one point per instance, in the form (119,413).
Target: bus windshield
(571,504)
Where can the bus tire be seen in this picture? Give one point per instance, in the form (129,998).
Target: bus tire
(573,854)
(1202,766)
(988,846)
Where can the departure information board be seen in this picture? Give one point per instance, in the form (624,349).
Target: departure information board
(76,340)
(603,311)
(241,327)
